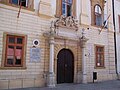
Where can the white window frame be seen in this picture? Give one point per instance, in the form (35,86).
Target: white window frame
(66,2)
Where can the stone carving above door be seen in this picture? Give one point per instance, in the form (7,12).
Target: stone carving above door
(69,22)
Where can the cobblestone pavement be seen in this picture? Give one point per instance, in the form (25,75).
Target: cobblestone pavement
(107,85)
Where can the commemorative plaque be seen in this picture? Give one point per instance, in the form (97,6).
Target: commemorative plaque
(35,54)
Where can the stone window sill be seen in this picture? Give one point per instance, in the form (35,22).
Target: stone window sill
(97,26)
(99,67)
(13,68)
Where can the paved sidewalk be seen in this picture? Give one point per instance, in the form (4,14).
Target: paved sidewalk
(107,85)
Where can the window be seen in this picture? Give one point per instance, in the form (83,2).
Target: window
(66,8)
(98,15)
(14,51)
(97,12)
(25,3)
(119,22)
(99,50)
(18,2)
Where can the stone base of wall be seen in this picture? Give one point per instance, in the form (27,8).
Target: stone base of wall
(79,77)
(102,77)
(118,76)
(21,83)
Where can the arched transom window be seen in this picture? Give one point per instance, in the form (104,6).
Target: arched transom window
(98,15)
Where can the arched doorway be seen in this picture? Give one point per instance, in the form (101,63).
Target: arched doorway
(65,66)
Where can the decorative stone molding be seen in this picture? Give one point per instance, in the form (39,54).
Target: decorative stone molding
(83,40)
(52,33)
(69,21)
(66,21)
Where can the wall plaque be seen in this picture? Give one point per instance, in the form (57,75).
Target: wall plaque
(35,54)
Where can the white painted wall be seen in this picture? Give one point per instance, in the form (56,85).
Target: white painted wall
(117,12)
(53,4)
(106,11)
(36,3)
(36,6)
(89,11)
(78,8)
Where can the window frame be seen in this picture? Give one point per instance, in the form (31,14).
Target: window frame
(67,3)
(29,4)
(4,51)
(26,4)
(14,45)
(101,3)
(59,8)
(102,65)
(97,15)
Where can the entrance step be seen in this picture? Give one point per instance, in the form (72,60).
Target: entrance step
(64,84)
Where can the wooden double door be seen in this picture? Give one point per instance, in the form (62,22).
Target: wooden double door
(65,66)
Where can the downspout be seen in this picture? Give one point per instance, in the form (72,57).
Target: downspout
(115,37)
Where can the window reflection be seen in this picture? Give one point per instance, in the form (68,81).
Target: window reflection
(98,15)
(11,40)
(19,40)
(10,55)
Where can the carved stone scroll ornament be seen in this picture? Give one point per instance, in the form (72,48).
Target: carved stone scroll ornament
(69,21)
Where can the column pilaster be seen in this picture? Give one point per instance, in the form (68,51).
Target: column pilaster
(51,75)
(84,71)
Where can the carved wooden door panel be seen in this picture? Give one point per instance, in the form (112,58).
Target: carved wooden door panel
(65,66)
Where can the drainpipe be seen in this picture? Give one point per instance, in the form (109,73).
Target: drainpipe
(115,37)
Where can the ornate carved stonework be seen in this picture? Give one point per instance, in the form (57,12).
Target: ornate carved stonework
(69,21)
(83,39)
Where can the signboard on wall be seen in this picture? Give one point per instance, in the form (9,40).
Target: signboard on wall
(35,54)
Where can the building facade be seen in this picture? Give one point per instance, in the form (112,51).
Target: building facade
(49,42)
(117,31)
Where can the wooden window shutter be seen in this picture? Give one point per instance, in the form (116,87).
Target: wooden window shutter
(74,8)
(30,4)
(58,8)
